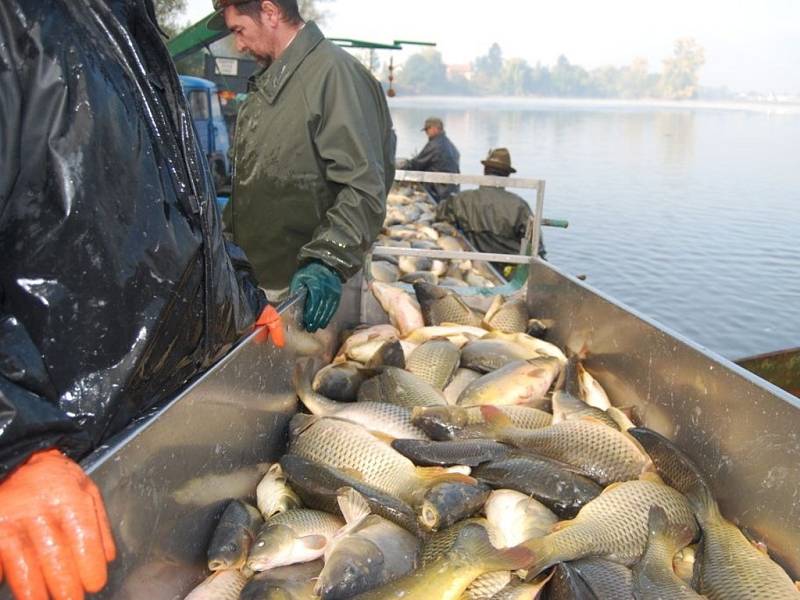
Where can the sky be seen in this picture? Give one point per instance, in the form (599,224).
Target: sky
(749,45)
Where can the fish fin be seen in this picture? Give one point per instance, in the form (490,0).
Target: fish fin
(474,545)
(652,476)
(431,476)
(300,422)
(561,525)
(620,418)
(760,546)
(352,473)
(314,542)
(442,475)
(462,469)
(657,521)
(275,470)
(541,556)
(497,302)
(352,504)
(382,436)
(495,418)
(315,402)
(678,471)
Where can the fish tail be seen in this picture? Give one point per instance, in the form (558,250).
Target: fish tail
(314,402)
(495,418)
(352,504)
(474,546)
(678,471)
(658,525)
(540,556)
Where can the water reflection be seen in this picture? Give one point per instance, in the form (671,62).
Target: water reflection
(689,215)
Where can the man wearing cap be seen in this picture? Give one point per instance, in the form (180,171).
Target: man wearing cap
(438,155)
(491,218)
(313,156)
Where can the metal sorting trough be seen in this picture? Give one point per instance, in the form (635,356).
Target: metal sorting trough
(166,481)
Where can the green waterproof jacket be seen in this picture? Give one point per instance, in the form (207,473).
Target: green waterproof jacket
(313,162)
(492,219)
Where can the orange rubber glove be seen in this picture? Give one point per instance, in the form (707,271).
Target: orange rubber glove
(273,326)
(54,531)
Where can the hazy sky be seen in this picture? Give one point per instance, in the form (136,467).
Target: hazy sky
(750,45)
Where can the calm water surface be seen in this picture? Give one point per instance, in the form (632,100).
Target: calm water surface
(689,215)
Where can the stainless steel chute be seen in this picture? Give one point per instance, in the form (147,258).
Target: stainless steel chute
(167,479)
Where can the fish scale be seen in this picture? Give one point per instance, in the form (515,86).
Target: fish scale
(344,445)
(222,585)
(508,316)
(605,578)
(731,568)
(524,417)
(435,362)
(612,526)
(604,454)
(397,386)
(654,575)
(518,382)
(439,543)
(305,521)
(487,585)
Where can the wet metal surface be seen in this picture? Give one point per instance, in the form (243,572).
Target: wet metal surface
(168,479)
(743,432)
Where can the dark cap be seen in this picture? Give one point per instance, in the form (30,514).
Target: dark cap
(217,21)
(499,158)
(433,122)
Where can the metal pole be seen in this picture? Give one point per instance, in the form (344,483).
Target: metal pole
(537,219)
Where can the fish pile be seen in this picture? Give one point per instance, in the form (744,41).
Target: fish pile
(411,223)
(453,455)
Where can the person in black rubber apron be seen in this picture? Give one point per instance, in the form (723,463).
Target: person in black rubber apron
(116,285)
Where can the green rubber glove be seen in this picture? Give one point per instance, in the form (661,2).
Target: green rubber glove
(323,292)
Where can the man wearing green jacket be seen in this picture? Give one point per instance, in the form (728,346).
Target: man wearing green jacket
(493,219)
(313,156)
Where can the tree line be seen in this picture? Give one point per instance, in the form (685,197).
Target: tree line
(492,74)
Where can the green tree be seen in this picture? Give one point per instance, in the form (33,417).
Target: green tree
(487,70)
(169,14)
(516,78)
(569,80)
(310,10)
(423,73)
(679,79)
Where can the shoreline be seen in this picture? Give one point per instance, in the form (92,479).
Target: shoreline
(538,102)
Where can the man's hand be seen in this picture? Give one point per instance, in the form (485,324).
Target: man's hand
(323,292)
(54,532)
(273,326)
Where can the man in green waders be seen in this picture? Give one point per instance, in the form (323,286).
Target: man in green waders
(313,156)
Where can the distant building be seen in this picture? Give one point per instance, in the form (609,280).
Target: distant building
(464,71)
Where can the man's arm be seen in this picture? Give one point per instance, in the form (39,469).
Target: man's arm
(422,161)
(350,141)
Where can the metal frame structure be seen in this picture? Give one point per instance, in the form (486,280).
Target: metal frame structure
(490,181)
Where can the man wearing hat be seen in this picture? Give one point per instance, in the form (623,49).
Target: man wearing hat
(491,218)
(438,155)
(313,156)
